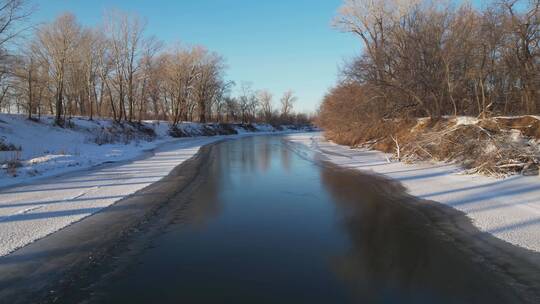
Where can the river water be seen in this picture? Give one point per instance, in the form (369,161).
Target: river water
(267,225)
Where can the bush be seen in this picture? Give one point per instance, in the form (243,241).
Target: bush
(12,166)
(8,146)
(174,131)
(123,133)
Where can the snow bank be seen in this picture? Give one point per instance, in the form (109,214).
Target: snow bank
(28,213)
(507,208)
(47,150)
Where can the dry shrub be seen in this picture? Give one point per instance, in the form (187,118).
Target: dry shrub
(355,114)
(4,146)
(528,125)
(351,115)
(123,133)
(486,147)
(12,166)
(373,134)
(496,147)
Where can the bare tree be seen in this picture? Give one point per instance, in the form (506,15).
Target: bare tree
(126,39)
(57,43)
(181,73)
(265,100)
(247,102)
(287,102)
(209,80)
(13,14)
(115,70)
(425,58)
(231,108)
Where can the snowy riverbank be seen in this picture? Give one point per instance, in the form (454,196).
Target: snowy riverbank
(39,149)
(71,183)
(507,208)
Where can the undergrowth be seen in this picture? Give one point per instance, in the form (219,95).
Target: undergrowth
(495,146)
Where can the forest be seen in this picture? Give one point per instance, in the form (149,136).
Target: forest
(429,59)
(439,60)
(116,70)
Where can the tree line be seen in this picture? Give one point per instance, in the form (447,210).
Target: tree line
(116,70)
(432,58)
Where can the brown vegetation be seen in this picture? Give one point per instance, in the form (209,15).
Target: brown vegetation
(430,59)
(489,146)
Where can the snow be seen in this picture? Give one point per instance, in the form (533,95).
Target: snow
(30,212)
(264,127)
(506,208)
(466,120)
(49,151)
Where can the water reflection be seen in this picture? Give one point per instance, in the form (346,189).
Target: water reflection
(395,256)
(265,156)
(285,159)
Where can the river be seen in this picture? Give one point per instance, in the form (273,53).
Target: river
(265,224)
(269,226)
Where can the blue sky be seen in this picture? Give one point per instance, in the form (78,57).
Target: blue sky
(275,45)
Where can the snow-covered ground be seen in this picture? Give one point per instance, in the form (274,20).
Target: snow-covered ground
(507,208)
(30,212)
(48,151)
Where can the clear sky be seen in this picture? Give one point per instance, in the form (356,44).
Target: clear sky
(273,44)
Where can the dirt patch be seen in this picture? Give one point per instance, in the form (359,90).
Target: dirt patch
(228,129)
(219,129)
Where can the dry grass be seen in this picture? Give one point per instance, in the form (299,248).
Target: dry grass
(374,134)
